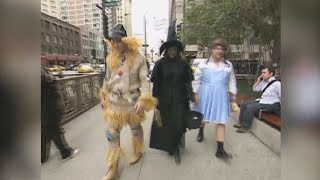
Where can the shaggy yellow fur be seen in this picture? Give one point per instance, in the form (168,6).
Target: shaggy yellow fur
(120,119)
(148,101)
(103,94)
(137,145)
(132,44)
(113,155)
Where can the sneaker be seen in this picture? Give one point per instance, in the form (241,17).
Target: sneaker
(238,125)
(73,154)
(243,130)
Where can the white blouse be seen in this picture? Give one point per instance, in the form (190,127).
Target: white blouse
(216,66)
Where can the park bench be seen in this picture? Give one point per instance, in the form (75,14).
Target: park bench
(266,126)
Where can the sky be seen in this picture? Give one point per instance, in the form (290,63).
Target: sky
(157,20)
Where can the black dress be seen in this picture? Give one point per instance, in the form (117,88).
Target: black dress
(172,86)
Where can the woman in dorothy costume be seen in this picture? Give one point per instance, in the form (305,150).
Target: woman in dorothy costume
(214,79)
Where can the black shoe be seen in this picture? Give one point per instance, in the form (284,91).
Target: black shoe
(200,135)
(177,157)
(223,155)
(73,154)
(243,130)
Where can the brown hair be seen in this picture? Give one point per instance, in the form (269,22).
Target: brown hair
(270,68)
(219,42)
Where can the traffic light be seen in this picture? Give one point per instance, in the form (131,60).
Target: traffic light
(178,30)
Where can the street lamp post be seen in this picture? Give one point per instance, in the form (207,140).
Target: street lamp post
(105,33)
(145,45)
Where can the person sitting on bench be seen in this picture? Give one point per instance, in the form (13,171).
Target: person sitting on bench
(270,99)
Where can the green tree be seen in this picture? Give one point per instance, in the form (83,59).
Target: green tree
(234,20)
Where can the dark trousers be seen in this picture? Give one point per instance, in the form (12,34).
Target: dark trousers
(56,135)
(249,108)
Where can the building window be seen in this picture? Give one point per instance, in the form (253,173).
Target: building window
(71,32)
(66,31)
(50,50)
(55,50)
(54,27)
(64,18)
(47,25)
(48,38)
(62,51)
(42,37)
(60,41)
(43,49)
(71,43)
(55,39)
(60,29)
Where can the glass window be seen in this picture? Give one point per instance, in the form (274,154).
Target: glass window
(60,41)
(50,49)
(54,27)
(48,38)
(47,23)
(43,48)
(55,39)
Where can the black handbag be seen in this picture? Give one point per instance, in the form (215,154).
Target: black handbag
(162,137)
(194,119)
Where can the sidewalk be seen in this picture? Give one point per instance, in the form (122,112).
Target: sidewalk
(252,160)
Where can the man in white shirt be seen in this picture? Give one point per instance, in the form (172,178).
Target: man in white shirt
(270,99)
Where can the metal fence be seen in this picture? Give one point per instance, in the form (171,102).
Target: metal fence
(79,94)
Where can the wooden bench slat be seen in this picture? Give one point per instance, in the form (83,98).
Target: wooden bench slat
(272,119)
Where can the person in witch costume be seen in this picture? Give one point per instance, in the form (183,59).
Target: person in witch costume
(172,78)
(214,79)
(124,96)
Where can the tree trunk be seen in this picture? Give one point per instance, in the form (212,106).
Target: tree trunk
(276,52)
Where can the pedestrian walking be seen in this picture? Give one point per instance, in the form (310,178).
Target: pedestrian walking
(214,80)
(172,78)
(51,110)
(125,96)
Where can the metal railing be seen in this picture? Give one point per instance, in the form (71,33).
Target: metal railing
(79,94)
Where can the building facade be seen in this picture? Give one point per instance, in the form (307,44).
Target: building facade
(82,13)
(121,15)
(51,8)
(92,45)
(58,37)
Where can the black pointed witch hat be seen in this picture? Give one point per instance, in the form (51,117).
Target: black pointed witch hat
(171,43)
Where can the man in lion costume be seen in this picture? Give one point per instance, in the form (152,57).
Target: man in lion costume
(125,96)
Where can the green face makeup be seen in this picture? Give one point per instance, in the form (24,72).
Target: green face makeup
(172,52)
